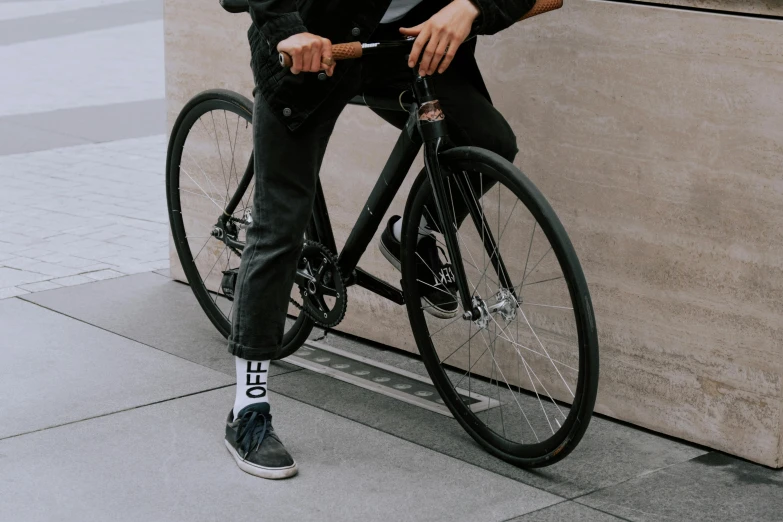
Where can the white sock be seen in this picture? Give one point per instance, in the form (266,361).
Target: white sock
(397,228)
(251,383)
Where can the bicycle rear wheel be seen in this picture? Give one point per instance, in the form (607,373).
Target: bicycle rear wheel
(209,175)
(521,373)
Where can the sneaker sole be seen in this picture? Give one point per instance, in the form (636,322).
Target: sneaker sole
(261,471)
(430,308)
(389,256)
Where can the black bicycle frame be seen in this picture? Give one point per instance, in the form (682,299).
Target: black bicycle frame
(425,126)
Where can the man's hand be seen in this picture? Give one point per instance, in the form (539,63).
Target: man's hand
(307,51)
(442,34)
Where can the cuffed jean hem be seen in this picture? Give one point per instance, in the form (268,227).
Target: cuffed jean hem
(252,354)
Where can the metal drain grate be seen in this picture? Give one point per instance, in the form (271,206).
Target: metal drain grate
(381,378)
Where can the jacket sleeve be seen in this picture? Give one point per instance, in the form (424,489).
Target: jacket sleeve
(276,20)
(497,15)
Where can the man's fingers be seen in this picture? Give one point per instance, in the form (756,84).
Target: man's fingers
(296,58)
(412,31)
(450,52)
(326,53)
(440,52)
(315,58)
(418,45)
(428,55)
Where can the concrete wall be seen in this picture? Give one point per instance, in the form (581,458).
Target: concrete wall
(657,135)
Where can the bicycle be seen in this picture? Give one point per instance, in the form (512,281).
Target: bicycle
(514,309)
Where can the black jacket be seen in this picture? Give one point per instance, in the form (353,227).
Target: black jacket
(294,97)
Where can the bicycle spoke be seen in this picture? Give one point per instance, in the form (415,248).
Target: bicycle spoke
(545,351)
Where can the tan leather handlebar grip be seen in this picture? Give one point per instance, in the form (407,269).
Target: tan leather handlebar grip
(543,6)
(343,51)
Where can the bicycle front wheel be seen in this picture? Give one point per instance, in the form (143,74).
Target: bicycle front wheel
(519,371)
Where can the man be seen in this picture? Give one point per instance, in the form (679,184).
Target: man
(294,115)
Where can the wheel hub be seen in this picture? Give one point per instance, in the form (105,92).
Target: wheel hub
(505,305)
(480,314)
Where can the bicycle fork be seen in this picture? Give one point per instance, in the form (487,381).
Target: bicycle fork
(432,127)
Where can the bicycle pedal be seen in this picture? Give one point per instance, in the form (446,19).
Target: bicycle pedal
(229,282)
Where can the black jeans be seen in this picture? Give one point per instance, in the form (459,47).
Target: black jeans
(287,165)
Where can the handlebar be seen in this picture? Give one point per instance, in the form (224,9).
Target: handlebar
(351,50)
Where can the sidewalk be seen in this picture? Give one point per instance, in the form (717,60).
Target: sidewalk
(115,394)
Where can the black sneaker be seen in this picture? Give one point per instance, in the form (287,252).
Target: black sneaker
(255,446)
(437,285)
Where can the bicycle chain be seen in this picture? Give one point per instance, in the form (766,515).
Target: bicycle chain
(341,302)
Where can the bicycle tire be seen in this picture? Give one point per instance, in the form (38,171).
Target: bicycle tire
(566,438)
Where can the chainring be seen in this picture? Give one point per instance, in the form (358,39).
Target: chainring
(319,266)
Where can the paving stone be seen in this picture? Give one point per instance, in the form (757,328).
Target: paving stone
(89,181)
(566,511)
(72,280)
(52,270)
(39,287)
(125,240)
(18,239)
(72,261)
(14,277)
(34,252)
(6,293)
(167,462)
(54,370)
(130,269)
(153,310)
(610,453)
(101,275)
(711,487)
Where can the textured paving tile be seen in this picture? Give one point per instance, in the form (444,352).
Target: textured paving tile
(39,287)
(72,280)
(89,230)
(12,291)
(566,511)
(167,462)
(54,370)
(711,487)
(15,277)
(101,275)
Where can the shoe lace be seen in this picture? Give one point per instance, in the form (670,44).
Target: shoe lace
(253,429)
